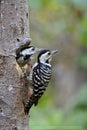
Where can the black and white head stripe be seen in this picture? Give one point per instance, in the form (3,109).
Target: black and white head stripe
(28,47)
(44,55)
(28,51)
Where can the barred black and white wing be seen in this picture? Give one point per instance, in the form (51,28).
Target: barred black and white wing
(40,79)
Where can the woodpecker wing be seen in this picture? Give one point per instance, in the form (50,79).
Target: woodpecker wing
(40,79)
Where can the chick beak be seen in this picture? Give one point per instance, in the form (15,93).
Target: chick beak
(38,49)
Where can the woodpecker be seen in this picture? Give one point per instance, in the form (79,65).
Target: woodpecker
(41,75)
(23,57)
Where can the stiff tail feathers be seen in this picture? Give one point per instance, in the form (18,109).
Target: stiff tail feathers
(32,100)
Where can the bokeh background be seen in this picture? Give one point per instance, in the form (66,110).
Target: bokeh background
(61,24)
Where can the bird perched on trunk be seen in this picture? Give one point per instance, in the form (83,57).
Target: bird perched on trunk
(41,75)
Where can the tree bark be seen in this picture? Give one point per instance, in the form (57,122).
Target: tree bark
(14,27)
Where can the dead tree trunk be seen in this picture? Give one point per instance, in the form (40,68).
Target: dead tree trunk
(14,26)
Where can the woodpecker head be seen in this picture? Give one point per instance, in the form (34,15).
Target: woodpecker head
(25,55)
(45,56)
(30,51)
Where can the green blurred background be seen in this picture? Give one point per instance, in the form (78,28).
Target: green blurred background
(61,24)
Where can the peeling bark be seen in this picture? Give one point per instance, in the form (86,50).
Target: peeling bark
(13,28)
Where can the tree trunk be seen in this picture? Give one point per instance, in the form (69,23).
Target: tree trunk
(14,27)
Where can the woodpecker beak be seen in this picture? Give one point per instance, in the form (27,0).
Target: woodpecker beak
(38,49)
(54,51)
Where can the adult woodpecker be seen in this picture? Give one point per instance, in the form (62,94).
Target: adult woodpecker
(41,75)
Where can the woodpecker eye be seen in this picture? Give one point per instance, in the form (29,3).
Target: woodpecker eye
(49,53)
(33,49)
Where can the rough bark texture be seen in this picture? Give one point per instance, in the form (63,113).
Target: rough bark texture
(13,28)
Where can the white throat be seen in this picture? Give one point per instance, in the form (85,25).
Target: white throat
(48,64)
(43,62)
(44,58)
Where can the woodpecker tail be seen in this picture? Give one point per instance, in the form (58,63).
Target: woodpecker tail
(32,100)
